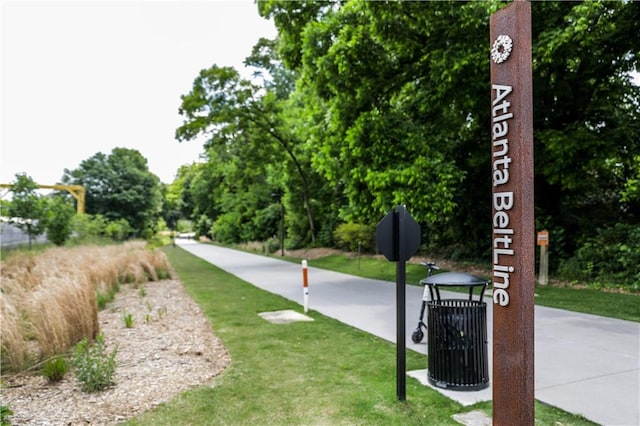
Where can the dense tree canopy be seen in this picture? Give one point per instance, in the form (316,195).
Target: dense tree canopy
(120,186)
(247,131)
(587,115)
(360,106)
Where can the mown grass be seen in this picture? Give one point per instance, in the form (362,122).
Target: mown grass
(614,305)
(316,373)
(369,267)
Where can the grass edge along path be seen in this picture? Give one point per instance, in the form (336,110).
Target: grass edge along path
(315,373)
(623,306)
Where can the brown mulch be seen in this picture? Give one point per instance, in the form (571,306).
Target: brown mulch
(170,348)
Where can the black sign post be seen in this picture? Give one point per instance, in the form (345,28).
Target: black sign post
(398,238)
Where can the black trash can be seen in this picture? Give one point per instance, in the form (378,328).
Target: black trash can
(457,334)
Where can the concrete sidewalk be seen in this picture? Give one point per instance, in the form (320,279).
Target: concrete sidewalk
(585,364)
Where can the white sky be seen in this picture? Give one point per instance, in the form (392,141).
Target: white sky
(85,76)
(81,77)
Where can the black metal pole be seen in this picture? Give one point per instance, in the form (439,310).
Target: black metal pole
(401,346)
(281,227)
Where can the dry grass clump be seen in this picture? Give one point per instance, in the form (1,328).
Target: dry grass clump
(48,302)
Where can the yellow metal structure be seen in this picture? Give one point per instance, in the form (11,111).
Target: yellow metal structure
(77,191)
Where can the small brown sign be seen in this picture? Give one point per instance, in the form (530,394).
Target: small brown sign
(543,238)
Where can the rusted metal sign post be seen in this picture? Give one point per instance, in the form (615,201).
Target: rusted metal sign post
(513,217)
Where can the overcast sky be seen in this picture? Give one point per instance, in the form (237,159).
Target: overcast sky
(85,76)
(81,77)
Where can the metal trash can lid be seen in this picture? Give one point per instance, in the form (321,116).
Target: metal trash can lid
(455,279)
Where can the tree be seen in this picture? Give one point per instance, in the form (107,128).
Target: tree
(389,103)
(27,209)
(120,186)
(243,120)
(393,97)
(172,204)
(59,220)
(586,115)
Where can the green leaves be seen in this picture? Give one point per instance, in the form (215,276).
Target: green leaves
(382,134)
(120,186)
(93,365)
(58,224)
(586,116)
(27,209)
(362,106)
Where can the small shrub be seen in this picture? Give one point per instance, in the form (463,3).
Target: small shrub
(93,366)
(163,273)
(88,227)
(128,320)
(118,230)
(54,369)
(203,227)
(272,245)
(142,292)
(612,256)
(157,241)
(162,312)
(184,225)
(59,216)
(103,298)
(5,412)
(227,228)
(350,235)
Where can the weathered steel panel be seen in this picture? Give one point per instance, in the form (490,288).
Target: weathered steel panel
(513,215)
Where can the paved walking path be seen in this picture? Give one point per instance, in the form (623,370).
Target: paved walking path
(585,364)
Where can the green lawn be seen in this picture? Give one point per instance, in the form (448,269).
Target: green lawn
(614,305)
(315,373)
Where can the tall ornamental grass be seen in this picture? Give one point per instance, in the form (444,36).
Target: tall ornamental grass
(49,301)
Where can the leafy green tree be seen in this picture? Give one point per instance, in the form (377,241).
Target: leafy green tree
(359,106)
(292,20)
(59,220)
(171,205)
(631,190)
(27,209)
(393,97)
(120,186)
(586,115)
(382,97)
(243,121)
(243,199)
(203,185)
